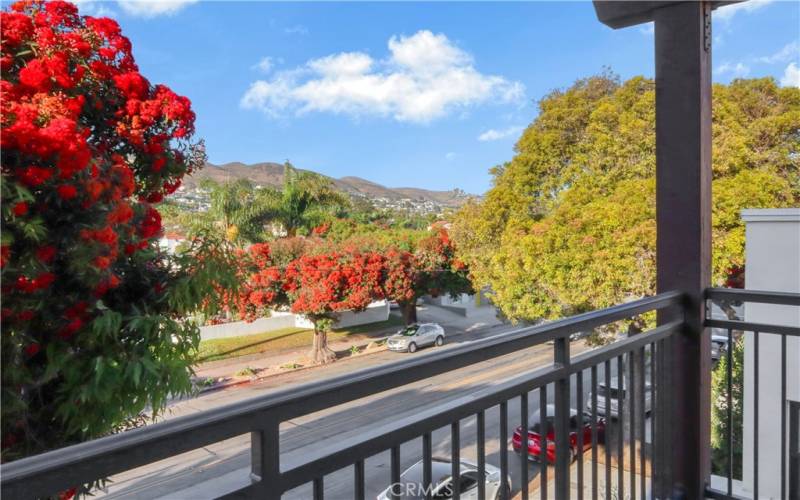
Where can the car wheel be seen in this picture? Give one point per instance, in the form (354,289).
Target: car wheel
(412,347)
(439,341)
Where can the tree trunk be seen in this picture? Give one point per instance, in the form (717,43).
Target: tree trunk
(409,310)
(320,352)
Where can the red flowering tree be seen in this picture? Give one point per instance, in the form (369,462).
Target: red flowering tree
(321,287)
(264,290)
(90,307)
(403,282)
(432,269)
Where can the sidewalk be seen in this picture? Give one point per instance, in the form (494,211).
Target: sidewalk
(215,375)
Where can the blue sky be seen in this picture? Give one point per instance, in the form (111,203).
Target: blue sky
(405,94)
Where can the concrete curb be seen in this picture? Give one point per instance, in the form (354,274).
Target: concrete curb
(251,380)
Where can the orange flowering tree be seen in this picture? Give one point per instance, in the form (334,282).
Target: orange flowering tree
(321,287)
(432,269)
(317,286)
(91,308)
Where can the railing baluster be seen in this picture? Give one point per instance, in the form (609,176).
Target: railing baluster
(427,458)
(523,437)
(359,480)
(455,454)
(607,370)
(668,434)
(581,432)
(729,409)
(655,352)
(620,426)
(561,388)
(784,434)
(756,357)
(319,488)
(395,469)
(544,428)
(594,431)
(481,425)
(632,434)
(265,459)
(504,446)
(642,422)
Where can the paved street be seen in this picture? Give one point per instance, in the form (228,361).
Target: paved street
(224,466)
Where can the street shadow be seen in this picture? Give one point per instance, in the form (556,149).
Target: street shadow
(303,437)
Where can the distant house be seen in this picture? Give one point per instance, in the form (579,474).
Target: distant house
(440,224)
(170,240)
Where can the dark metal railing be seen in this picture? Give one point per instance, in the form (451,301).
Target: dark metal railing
(638,360)
(735,331)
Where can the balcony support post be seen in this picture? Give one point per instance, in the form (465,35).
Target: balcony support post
(265,460)
(683,219)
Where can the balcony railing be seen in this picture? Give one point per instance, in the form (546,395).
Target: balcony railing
(778,403)
(611,446)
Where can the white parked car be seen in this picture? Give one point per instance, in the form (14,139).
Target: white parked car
(616,394)
(412,487)
(412,337)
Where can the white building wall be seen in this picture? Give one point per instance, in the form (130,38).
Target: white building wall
(772,263)
(277,321)
(375,312)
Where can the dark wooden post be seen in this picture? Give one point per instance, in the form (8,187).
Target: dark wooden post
(683,217)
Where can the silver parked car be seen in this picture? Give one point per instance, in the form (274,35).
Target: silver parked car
(415,336)
(411,485)
(616,394)
(719,344)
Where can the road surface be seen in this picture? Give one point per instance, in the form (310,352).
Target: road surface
(223,467)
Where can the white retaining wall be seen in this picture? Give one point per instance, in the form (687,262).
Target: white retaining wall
(375,312)
(277,321)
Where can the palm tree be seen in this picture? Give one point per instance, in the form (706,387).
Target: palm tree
(305,200)
(243,210)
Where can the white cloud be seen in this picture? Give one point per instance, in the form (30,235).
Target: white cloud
(738,70)
(425,77)
(264,65)
(153,8)
(297,29)
(450,156)
(790,51)
(94,8)
(647,29)
(791,77)
(494,134)
(727,12)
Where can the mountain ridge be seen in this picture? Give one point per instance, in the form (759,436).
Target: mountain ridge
(271,174)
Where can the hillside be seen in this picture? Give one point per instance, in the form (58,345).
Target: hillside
(271,174)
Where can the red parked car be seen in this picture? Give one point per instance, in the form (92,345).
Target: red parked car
(574,434)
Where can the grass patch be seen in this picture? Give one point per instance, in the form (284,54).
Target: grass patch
(247,371)
(280,340)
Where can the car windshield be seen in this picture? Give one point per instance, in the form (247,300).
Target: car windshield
(612,392)
(408,331)
(535,420)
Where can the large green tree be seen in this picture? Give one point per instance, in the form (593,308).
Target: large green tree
(569,223)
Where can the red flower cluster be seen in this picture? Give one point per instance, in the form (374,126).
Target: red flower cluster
(734,277)
(88,145)
(85,138)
